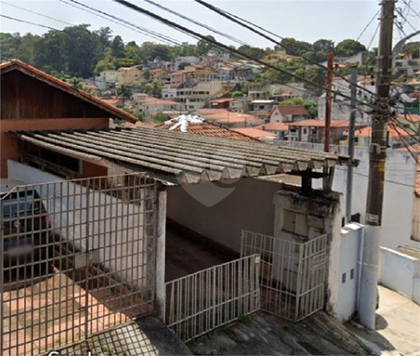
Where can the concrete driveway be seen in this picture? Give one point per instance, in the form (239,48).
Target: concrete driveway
(397,326)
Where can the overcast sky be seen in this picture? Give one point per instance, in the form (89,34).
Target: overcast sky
(304,20)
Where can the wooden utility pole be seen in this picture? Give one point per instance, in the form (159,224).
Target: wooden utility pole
(328,103)
(367,299)
(380,117)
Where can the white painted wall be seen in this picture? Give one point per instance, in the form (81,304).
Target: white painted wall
(398,191)
(400,272)
(117,232)
(350,241)
(249,206)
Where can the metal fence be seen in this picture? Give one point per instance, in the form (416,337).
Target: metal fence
(292,275)
(78,258)
(205,300)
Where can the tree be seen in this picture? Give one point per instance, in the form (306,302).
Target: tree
(203,46)
(349,47)
(147,74)
(125,93)
(117,47)
(104,34)
(310,105)
(293,46)
(323,45)
(182,65)
(412,49)
(159,118)
(154,88)
(254,52)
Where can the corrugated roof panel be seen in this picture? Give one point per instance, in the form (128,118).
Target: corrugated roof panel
(187,158)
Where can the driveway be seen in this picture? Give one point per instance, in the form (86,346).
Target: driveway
(397,325)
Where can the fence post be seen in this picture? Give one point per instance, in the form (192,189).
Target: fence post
(299,280)
(160,254)
(1,280)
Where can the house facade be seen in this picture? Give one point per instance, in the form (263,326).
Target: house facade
(34,100)
(288,113)
(130,77)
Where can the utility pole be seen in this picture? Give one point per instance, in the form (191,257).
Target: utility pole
(328,102)
(377,152)
(352,127)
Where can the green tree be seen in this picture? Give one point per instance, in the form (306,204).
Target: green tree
(117,47)
(182,65)
(254,52)
(124,93)
(147,74)
(412,48)
(159,118)
(154,88)
(203,46)
(323,45)
(349,47)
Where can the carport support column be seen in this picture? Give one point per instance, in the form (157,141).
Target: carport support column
(160,254)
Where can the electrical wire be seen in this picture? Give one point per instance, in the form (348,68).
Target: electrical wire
(367,26)
(34,12)
(234,39)
(119,21)
(28,22)
(223,46)
(235,20)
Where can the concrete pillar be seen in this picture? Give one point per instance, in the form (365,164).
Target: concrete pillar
(160,254)
(366,306)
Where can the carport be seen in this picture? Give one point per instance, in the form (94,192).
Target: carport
(179,161)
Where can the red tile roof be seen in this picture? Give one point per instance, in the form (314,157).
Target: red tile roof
(254,132)
(156,101)
(320,123)
(274,126)
(291,109)
(206,128)
(393,132)
(223,115)
(59,84)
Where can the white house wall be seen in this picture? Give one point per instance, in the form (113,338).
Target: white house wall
(398,191)
(113,224)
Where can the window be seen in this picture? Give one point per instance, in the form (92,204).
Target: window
(261,107)
(343,278)
(305,131)
(352,273)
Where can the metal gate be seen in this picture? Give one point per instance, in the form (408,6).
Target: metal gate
(293,275)
(207,299)
(78,258)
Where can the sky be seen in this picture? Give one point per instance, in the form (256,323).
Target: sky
(308,20)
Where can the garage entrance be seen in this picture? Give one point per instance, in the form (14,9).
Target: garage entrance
(78,258)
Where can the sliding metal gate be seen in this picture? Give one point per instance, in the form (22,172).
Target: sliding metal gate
(207,299)
(78,258)
(293,275)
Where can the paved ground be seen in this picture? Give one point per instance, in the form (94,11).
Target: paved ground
(51,313)
(265,334)
(186,254)
(397,326)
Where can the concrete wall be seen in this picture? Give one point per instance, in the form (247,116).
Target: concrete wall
(207,210)
(398,192)
(114,227)
(400,272)
(316,215)
(350,242)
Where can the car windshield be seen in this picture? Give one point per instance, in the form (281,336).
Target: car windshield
(19,205)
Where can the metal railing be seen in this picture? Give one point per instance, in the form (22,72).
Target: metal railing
(207,299)
(293,274)
(78,258)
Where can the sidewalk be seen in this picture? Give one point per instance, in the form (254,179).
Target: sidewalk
(397,325)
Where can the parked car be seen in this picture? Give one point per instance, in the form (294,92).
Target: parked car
(25,223)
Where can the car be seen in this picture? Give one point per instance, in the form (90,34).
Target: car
(25,222)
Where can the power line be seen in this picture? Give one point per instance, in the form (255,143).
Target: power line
(36,13)
(196,22)
(367,26)
(119,21)
(28,22)
(235,20)
(225,47)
